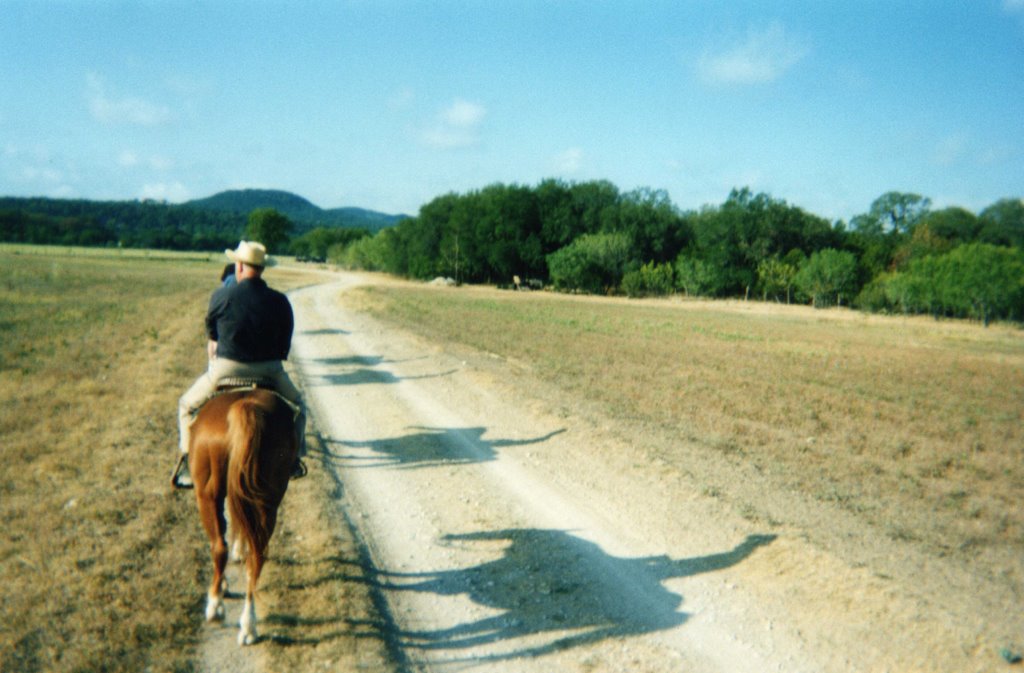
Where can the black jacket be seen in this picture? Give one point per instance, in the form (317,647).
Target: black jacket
(250,322)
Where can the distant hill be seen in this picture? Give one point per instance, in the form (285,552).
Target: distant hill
(205,224)
(304,214)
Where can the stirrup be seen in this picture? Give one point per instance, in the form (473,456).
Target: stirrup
(176,474)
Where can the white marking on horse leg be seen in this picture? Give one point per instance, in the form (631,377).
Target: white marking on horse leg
(214,607)
(247,623)
(237,550)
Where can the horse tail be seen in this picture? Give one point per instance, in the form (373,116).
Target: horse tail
(251,516)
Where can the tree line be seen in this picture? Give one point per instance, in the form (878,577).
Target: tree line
(147,224)
(900,255)
(128,224)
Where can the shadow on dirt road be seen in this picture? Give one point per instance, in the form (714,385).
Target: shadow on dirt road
(554,584)
(428,447)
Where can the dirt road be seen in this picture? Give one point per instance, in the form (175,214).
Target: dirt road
(512,531)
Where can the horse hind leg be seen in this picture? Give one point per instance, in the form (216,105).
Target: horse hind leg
(247,623)
(213,522)
(215,606)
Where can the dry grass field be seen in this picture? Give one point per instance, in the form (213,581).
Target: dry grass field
(103,566)
(94,571)
(911,425)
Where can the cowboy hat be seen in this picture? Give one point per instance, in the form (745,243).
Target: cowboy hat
(251,253)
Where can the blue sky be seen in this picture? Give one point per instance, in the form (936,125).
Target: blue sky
(388,104)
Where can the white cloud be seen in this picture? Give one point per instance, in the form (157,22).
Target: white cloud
(125,110)
(463,114)
(44,175)
(996,154)
(950,150)
(763,57)
(749,177)
(36,168)
(570,161)
(456,126)
(129,159)
(175,192)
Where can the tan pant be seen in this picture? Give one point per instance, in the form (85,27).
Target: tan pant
(222,368)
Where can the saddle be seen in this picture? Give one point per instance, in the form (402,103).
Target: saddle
(235,383)
(180,478)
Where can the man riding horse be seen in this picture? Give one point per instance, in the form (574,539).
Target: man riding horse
(249,326)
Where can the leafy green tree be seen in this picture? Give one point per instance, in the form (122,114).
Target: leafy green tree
(828,276)
(437,216)
(559,223)
(920,289)
(1002,223)
(656,229)
(977,280)
(899,212)
(776,278)
(593,204)
(924,242)
(510,223)
(592,263)
(371,253)
(420,242)
(464,243)
(873,295)
(317,242)
(875,253)
(720,237)
(875,237)
(749,229)
(984,281)
(650,280)
(697,278)
(955,225)
(269,227)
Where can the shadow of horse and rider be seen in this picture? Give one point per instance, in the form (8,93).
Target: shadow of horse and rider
(551,590)
(554,591)
(426,447)
(362,370)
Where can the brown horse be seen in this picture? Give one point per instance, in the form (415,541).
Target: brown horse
(242,450)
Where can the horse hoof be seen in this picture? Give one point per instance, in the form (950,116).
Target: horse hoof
(246,638)
(214,611)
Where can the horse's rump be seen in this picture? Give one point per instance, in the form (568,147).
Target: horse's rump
(261,447)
